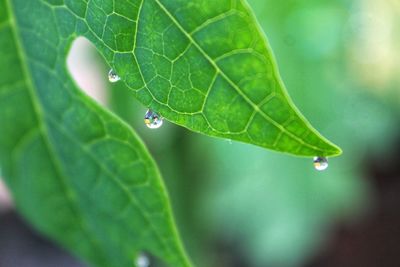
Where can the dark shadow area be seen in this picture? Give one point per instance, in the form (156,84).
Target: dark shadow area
(228,253)
(21,247)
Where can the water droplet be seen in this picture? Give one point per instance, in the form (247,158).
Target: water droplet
(153,120)
(113,76)
(320,163)
(142,260)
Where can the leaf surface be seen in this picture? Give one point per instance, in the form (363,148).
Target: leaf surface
(204,65)
(77,173)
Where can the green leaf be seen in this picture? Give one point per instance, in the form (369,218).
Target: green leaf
(202,64)
(77,173)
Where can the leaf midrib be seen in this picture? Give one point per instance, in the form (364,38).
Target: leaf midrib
(225,76)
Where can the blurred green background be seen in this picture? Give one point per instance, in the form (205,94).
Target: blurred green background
(240,205)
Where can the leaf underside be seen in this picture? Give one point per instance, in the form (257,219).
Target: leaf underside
(82,176)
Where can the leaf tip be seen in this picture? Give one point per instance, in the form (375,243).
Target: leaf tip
(333,151)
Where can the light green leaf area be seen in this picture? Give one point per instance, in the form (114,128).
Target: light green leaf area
(77,173)
(202,64)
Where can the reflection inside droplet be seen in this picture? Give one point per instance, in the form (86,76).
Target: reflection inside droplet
(153,120)
(113,76)
(320,163)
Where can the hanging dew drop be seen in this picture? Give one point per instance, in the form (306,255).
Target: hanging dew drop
(153,120)
(113,76)
(320,163)
(142,260)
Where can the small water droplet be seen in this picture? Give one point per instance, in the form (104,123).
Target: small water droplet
(113,76)
(153,120)
(320,163)
(142,260)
